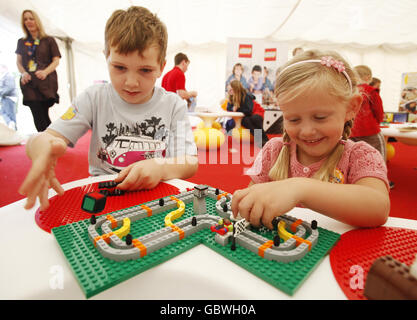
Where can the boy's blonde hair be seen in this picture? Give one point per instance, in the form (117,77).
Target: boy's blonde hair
(295,80)
(41,30)
(364,72)
(135,29)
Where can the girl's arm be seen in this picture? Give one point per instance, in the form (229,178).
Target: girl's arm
(363,204)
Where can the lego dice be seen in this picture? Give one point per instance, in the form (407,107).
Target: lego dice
(94,202)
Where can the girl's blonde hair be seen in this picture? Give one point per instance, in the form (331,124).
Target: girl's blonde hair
(239,93)
(41,30)
(135,29)
(292,82)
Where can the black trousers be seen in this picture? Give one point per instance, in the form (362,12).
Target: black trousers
(40,113)
(255,121)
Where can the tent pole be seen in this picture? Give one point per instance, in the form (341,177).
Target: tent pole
(70,66)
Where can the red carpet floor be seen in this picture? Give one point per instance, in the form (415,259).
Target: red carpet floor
(222,169)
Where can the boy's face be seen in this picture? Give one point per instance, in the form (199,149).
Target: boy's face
(133,75)
(256,75)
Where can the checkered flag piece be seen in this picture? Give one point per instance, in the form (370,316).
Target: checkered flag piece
(240,226)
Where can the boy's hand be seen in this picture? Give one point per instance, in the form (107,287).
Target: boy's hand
(43,150)
(260,203)
(145,174)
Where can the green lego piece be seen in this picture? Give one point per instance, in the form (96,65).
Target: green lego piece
(88,204)
(96,273)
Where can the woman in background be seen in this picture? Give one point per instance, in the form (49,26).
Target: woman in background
(37,58)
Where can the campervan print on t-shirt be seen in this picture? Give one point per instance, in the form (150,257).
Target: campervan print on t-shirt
(123,144)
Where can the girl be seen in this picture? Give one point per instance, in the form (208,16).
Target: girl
(314,164)
(242,101)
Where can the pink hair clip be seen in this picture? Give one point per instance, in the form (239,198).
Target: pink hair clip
(287,144)
(330,62)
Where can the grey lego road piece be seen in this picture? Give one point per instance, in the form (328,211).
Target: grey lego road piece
(119,251)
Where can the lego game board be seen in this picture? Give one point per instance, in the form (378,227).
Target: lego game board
(100,255)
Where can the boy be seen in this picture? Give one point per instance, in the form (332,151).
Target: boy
(255,82)
(138,130)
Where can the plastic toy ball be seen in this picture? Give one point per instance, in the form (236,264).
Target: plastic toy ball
(390,151)
(208,138)
(242,134)
(216,125)
(200,125)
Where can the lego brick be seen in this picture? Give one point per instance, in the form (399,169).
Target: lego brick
(389,279)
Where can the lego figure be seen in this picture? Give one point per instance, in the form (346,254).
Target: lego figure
(224,226)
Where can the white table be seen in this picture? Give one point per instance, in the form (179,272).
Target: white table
(31,260)
(210,117)
(406,137)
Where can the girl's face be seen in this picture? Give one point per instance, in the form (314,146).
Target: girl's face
(29,22)
(238,71)
(315,122)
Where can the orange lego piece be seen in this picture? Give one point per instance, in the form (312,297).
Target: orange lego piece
(299,241)
(222,195)
(295,225)
(105,237)
(179,230)
(140,246)
(262,248)
(148,210)
(112,220)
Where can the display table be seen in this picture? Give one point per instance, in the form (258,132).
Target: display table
(32,261)
(404,132)
(210,117)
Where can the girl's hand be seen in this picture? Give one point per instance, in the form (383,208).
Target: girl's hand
(260,203)
(41,74)
(145,174)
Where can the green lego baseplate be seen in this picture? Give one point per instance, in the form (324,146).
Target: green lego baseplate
(96,273)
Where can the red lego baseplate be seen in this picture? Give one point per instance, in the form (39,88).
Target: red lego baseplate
(66,209)
(356,250)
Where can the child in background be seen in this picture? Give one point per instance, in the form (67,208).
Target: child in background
(242,101)
(371,114)
(314,164)
(127,117)
(256,82)
(376,83)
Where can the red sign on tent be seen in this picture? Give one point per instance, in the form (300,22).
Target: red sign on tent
(270,54)
(245,51)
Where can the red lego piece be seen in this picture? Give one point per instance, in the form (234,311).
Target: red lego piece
(356,251)
(66,209)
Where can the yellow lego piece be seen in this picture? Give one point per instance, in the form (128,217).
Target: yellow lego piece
(284,234)
(176,213)
(124,230)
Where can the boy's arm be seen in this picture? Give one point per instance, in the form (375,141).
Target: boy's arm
(146,174)
(43,150)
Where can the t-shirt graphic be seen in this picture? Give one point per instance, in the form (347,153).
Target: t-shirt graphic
(123,144)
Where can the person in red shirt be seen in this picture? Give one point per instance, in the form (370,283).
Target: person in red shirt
(366,124)
(174,80)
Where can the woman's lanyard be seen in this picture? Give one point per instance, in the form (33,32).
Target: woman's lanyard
(32,45)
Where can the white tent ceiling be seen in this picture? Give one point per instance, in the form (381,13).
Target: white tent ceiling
(379,33)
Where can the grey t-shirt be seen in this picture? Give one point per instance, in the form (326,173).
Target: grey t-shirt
(124,133)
